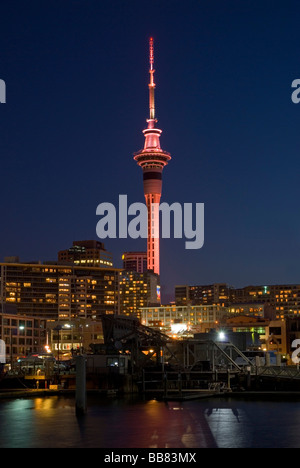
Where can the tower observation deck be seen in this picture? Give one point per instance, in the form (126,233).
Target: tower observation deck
(152,159)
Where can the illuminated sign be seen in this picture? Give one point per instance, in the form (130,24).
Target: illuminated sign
(158,293)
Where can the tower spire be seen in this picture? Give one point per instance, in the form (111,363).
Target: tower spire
(152,159)
(151,84)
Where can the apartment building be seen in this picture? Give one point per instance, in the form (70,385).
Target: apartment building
(59,292)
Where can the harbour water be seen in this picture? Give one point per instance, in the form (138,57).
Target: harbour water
(51,422)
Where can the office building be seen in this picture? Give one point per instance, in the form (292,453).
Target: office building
(217,293)
(86,253)
(59,291)
(69,338)
(180,319)
(255,310)
(272,333)
(138,290)
(22,335)
(135,261)
(284,300)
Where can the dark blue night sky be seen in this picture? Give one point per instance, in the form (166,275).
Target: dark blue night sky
(77,101)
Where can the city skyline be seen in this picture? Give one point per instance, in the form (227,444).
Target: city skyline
(76,102)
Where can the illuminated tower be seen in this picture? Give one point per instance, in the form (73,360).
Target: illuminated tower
(152,160)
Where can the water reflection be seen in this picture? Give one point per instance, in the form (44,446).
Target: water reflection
(52,422)
(229,426)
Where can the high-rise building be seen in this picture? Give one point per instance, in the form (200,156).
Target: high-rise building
(22,335)
(86,253)
(59,292)
(179,319)
(283,300)
(135,261)
(138,290)
(217,293)
(152,159)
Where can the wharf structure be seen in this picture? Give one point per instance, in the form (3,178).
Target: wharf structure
(191,368)
(135,358)
(185,321)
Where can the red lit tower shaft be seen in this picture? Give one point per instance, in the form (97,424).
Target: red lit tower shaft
(152,159)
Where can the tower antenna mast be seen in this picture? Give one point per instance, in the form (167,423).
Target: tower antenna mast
(151,84)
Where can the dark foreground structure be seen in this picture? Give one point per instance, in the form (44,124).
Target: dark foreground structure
(139,359)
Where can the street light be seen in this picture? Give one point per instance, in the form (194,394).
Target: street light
(221,336)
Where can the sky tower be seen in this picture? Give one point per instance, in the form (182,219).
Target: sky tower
(152,159)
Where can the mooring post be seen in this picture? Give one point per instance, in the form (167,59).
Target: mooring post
(248,376)
(81,405)
(228,378)
(278,359)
